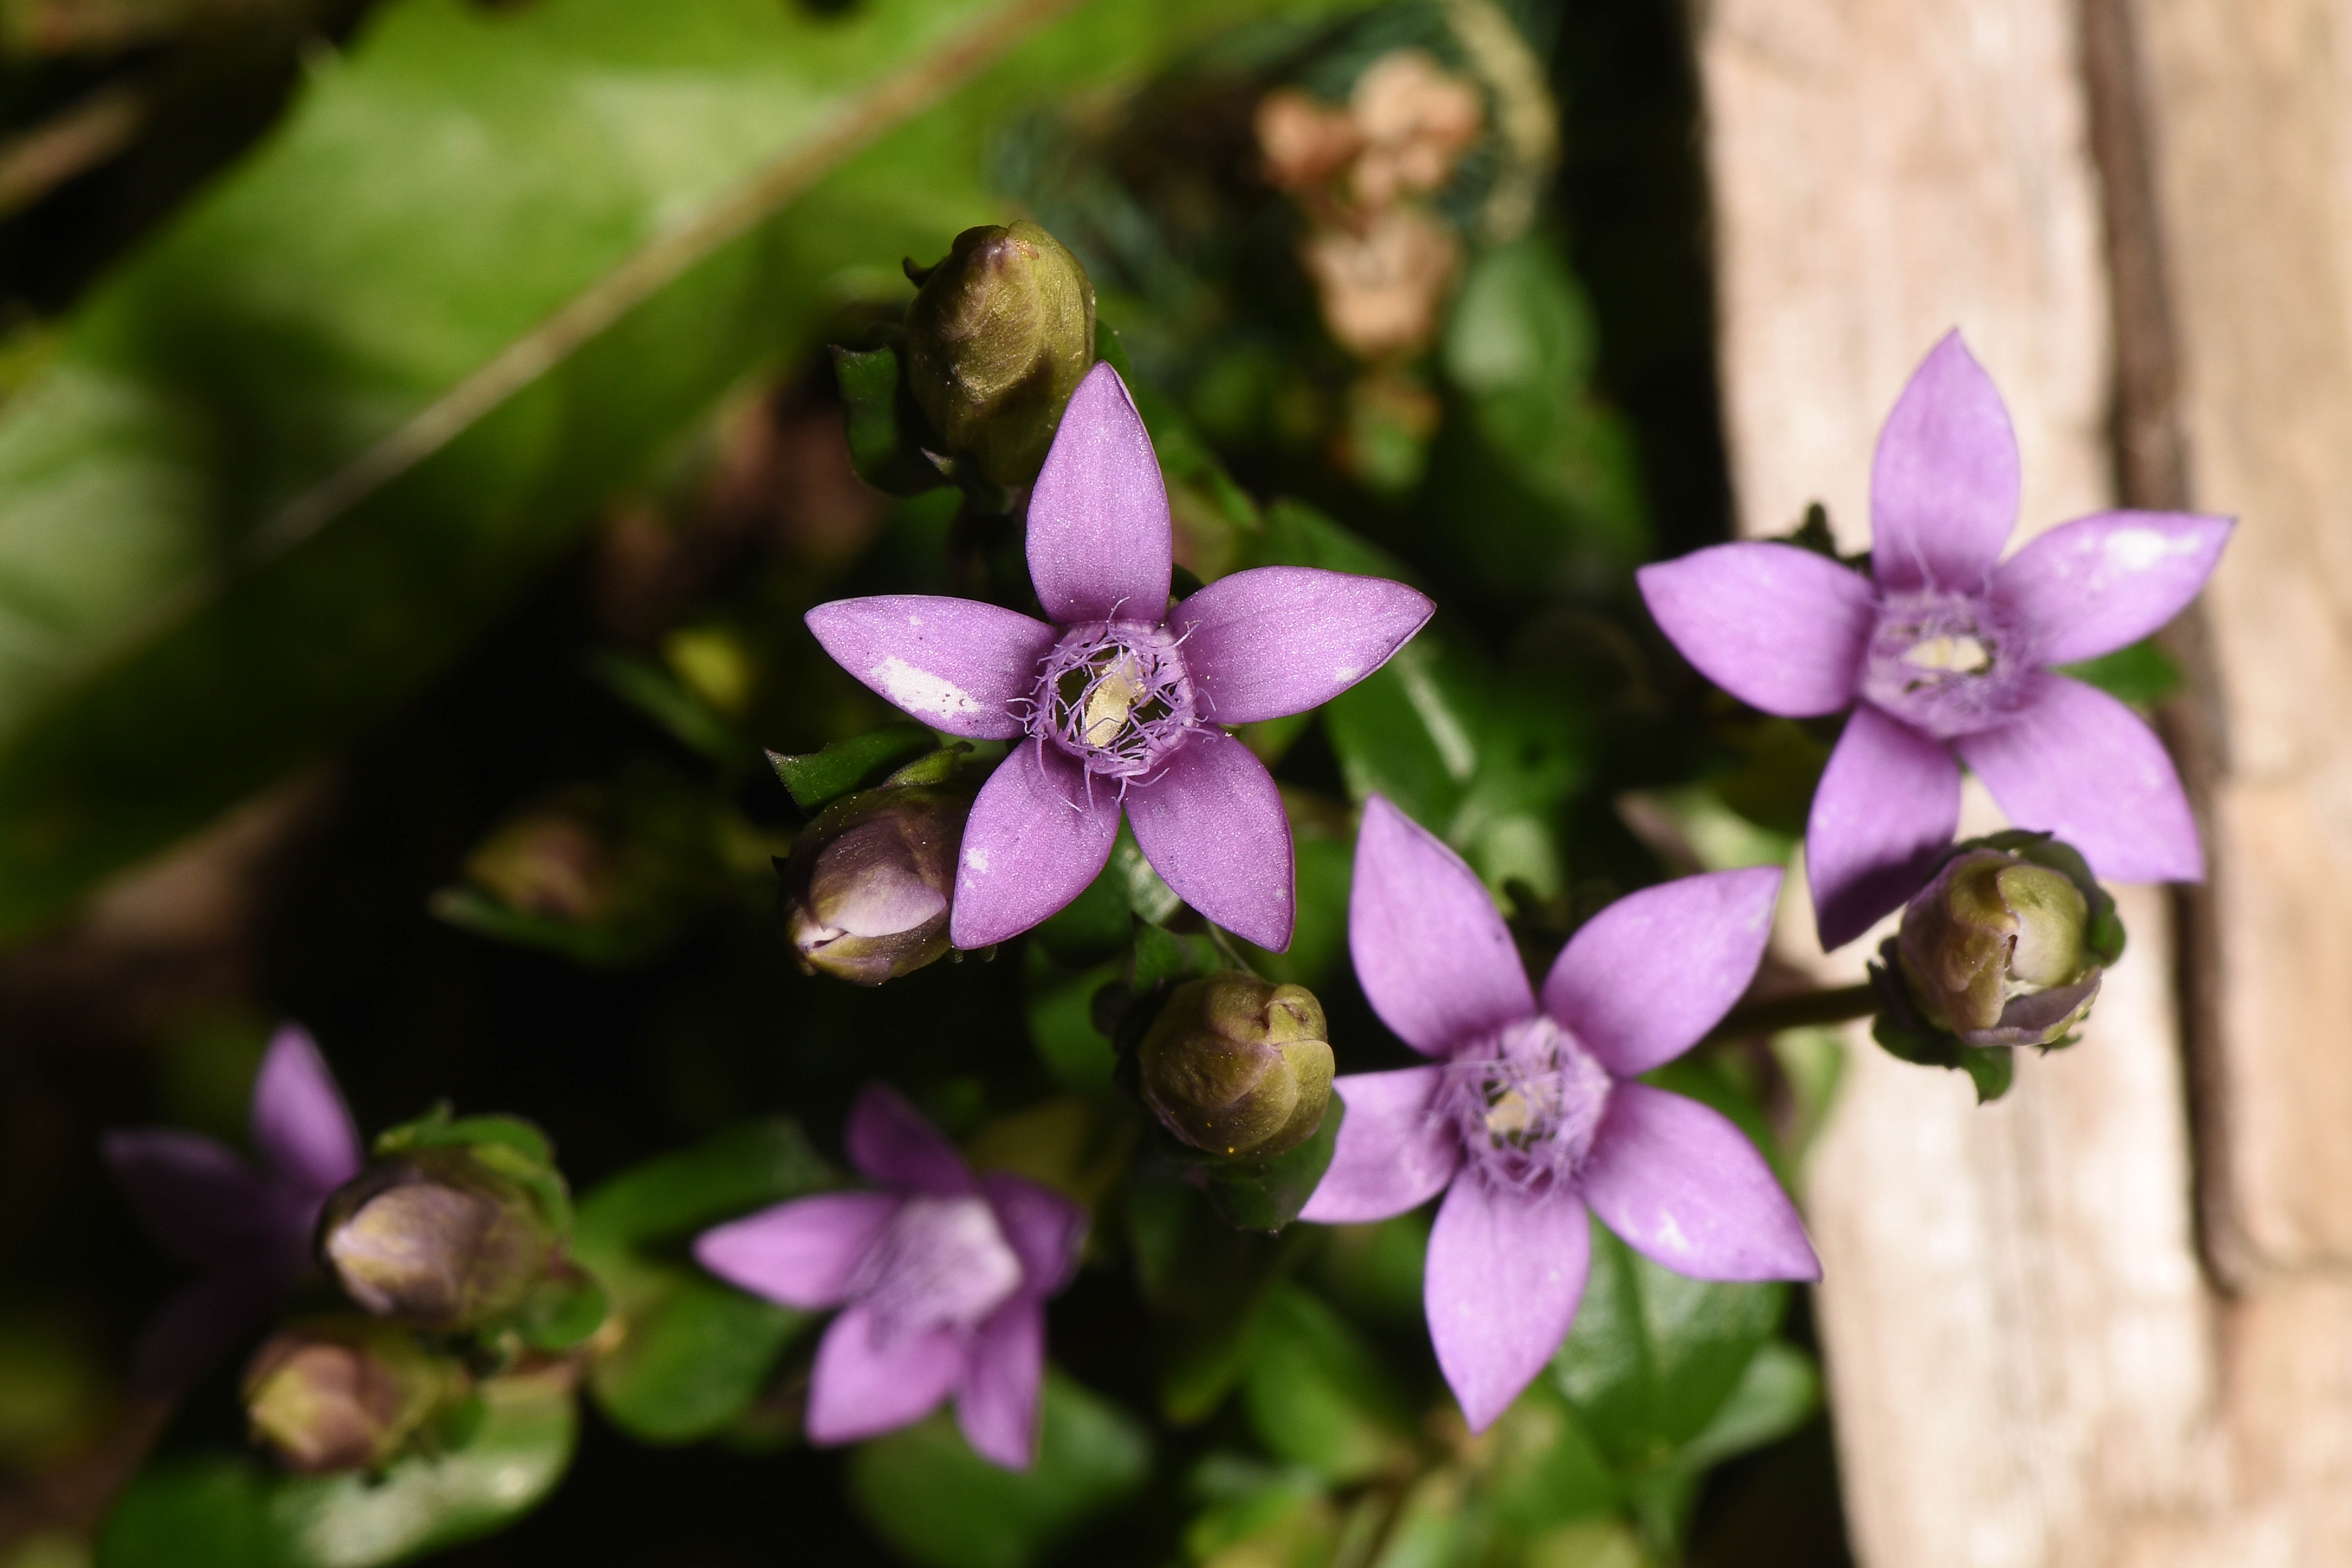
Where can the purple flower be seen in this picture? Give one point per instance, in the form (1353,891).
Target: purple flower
(248,1230)
(941,1279)
(1944,648)
(1532,1113)
(1122,696)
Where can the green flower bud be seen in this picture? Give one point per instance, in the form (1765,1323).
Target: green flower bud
(344,1392)
(1997,950)
(867,888)
(1236,1065)
(438,1238)
(998,337)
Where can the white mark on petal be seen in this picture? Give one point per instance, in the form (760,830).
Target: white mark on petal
(975,859)
(1670,1235)
(2139,549)
(1347,674)
(922,692)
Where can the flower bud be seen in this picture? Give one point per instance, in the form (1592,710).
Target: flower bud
(438,1238)
(344,1393)
(1996,950)
(998,337)
(1236,1065)
(867,888)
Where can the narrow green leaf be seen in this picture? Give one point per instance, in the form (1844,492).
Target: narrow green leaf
(819,778)
(924,1491)
(1317,1395)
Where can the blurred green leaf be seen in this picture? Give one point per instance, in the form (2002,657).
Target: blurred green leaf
(1654,1355)
(222,1511)
(819,778)
(661,696)
(2141,674)
(1778,1393)
(293,457)
(885,426)
(1318,1396)
(924,1491)
(695,1352)
(1543,1468)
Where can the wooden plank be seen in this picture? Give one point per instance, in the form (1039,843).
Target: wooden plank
(2020,1345)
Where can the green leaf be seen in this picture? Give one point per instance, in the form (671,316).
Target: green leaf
(222,1512)
(1267,1195)
(563,1311)
(819,778)
(1544,1468)
(1062,1022)
(2142,674)
(1316,1395)
(291,458)
(885,439)
(660,696)
(1654,1355)
(924,1491)
(1778,1393)
(695,1352)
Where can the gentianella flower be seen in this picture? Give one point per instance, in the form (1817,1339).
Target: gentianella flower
(1944,648)
(1531,1114)
(941,1278)
(1121,700)
(246,1230)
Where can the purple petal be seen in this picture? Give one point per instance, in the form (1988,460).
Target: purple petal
(2098,584)
(1432,954)
(865,1383)
(1044,1228)
(197,1199)
(201,1323)
(1943,488)
(1505,1274)
(1099,539)
(997,1405)
(1780,628)
(804,1253)
(1882,816)
(894,1145)
(1278,640)
(1213,825)
(1645,978)
(957,665)
(1686,1188)
(1393,1154)
(301,1123)
(1040,832)
(2079,764)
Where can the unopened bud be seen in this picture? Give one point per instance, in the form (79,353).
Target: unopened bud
(867,888)
(998,337)
(551,863)
(1236,1065)
(437,1238)
(1996,950)
(344,1392)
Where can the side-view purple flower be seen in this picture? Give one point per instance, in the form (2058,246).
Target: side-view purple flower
(1531,1114)
(941,1279)
(1122,699)
(248,1230)
(1944,648)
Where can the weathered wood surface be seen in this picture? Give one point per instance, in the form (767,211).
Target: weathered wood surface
(2028,1365)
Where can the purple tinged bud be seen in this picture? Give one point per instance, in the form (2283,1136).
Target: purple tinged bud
(551,863)
(344,1392)
(1996,950)
(1236,1065)
(866,890)
(998,337)
(437,1238)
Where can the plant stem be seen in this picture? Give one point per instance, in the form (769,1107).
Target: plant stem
(1776,1013)
(1222,939)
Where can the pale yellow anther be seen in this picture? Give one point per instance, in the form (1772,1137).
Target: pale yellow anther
(1960,656)
(1108,706)
(1510,1116)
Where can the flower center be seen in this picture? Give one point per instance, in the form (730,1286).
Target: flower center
(943,1263)
(1945,663)
(1115,696)
(1525,1101)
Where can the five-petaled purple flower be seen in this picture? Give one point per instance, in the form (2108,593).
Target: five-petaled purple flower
(942,1279)
(1122,696)
(1944,647)
(248,1230)
(1531,1113)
